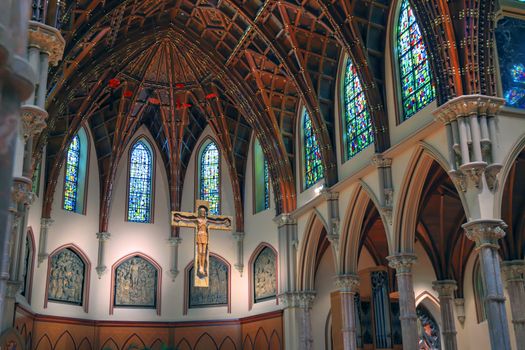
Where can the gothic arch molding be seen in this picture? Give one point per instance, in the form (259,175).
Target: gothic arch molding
(251,261)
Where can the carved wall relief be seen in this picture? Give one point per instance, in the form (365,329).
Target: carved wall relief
(217,292)
(136,283)
(264,275)
(66,277)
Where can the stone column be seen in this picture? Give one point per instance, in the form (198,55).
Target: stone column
(174,243)
(101,265)
(486,233)
(239,240)
(402,263)
(513,274)
(306,300)
(45,224)
(445,289)
(348,286)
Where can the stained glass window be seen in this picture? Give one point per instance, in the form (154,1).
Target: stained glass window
(72,172)
(140,183)
(210,177)
(261,179)
(417,89)
(313,166)
(511,55)
(357,116)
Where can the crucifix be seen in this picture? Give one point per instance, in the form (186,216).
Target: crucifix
(202,222)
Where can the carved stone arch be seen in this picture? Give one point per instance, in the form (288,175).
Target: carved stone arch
(87,272)
(431,303)
(352,232)
(503,176)
(407,204)
(65,341)
(133,339)
(187,282)
(311,249)
(251,273)
(158,285)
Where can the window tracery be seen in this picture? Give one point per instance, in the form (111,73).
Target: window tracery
(140,183)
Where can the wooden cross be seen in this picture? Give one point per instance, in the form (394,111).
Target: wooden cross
(202,222)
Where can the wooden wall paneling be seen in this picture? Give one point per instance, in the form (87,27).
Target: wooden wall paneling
(275,341)
(65,342)
(85,344)
(227,344)
(206,342)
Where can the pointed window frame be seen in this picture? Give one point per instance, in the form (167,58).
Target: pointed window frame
(150,206)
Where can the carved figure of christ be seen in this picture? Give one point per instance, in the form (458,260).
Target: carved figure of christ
(202,222)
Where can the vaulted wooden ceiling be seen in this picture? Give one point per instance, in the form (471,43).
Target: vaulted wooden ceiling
(242,66)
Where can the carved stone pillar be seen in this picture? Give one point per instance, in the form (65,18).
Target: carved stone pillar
(45,224)
(513,274)
(297,319)
(445,289)
(174,243)
(287,233)
(348,286)
(306,300)
(239,240)
(402,263)
(486,233)
(332,200)
(101,265)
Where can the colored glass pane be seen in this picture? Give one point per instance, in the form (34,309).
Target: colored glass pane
(140,183)
(210,177)
(71,178)
(313,166)
(261,179)
(266,186)
(358,126)
(511,55)
(416,78)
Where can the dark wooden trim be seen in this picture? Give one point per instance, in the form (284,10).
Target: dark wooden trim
(87,273)
(255,254)
(187,284)
(145,324)
(197,185)
(159,280)
(153,177)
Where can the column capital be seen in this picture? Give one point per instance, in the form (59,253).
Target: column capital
(380,161)
(460,309)
(347,283)
(174,241)
(46,222)
(485,232)
(285,219)
(445,288)
(402,262)
(513,270)
(466,105)
(303,299)
(48,39)
(33,120)
(238,236)
(22,192)
(103,236)
(329,195)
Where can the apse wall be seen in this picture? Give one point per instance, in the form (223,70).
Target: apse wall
(152,240)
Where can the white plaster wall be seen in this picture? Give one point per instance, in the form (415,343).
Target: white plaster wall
(324,285)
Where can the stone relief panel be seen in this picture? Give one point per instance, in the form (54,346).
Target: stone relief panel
(217,292)
(264,275)
(136,283)
(66,277)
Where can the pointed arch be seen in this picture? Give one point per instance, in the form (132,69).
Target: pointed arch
(76,171)
(183,344)
(356,122)
(209,184)
(312,247)
(251,272)
(158,284)
(261,339)
(110,344)
(65,342)
(44,343)
(156,344)
(247,344)
(187,279)
(86,277)
(311,162)
(141,181)
(85,344)
(227,344)
(415,83)
(134,339)
(275,341)
(260,178)
(206,342)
